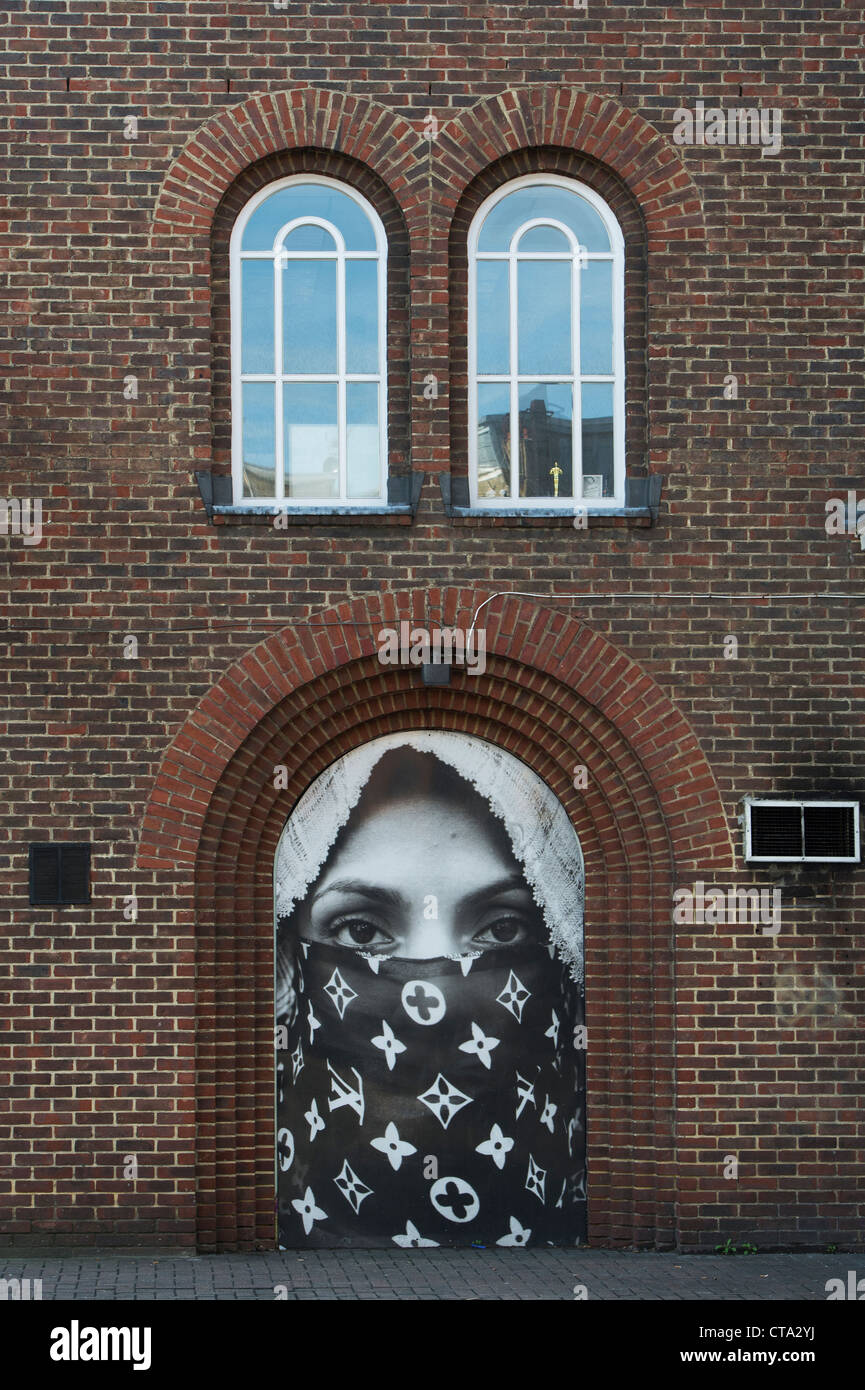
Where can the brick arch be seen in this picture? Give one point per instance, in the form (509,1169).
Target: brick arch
(300,117)
(599,127)
(554,694)
(543,642)
(518,118)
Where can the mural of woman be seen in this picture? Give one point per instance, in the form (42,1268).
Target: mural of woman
(430,1068)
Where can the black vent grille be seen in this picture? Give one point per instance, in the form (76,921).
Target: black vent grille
(802,830)
(776,832)
(59,875)
(830,832)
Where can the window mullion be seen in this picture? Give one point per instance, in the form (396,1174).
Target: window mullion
(617,275)
(513,363)
(381,279)
(341,392)
(279,460)
(576,366)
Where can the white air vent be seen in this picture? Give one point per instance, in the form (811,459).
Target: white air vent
(809,832)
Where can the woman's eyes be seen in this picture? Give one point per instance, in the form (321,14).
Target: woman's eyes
(504,931)
(358,931)
(364,931)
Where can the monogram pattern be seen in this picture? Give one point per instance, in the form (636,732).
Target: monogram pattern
(428,1103)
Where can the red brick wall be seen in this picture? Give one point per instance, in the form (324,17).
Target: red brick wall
(154,1039)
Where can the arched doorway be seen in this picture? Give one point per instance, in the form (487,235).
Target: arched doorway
(429,1003)
(557,696)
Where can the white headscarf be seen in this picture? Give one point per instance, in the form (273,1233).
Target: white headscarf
(540,833)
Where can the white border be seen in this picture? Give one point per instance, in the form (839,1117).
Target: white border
(801,858)
(617,377)
(340,377)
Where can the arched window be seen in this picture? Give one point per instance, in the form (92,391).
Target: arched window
(308,285)
(546,348)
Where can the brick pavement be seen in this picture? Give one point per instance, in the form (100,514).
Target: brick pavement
(431,1275)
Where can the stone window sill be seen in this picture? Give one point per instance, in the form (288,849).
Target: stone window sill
(216,494)
(642,500)
(621,516)
(233,516)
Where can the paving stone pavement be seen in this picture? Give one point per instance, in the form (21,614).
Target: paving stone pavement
(430,1275)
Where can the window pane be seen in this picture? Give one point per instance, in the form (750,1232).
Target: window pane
(546,435)
(310,439)
(363,462)
(308,200)
(494,441)
(256,316)
(542,200)
(493,319)
(258,439)
(309,239)
(309,316)
(596,318)
(545,239)
(597,440)
(544,319)
(361,309)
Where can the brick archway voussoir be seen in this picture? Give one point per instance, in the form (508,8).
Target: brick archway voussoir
(296,118)
(540,640)
(598,126)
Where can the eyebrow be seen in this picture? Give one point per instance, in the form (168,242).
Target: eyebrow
(391,898)
(502,885)
(387,896)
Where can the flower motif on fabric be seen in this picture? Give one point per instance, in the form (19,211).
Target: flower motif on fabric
(285,1149)
(341,993)
(312,1021)
(314,1120)
(309,1212)
(353,1190)
(519,1235)
(455,1199)
(547,1114)
(553,1030)
(498,1146)
(480,1044)
(343,1093)
(444,1100)
(536,1180)
(393,1148)
(424,1003)
(525,1095)
(513,997)
(297,1061)
(389,1044)
(412,1239)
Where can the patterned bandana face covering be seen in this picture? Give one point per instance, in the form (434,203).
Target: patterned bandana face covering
(431,1102)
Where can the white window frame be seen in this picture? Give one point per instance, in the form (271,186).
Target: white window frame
(801,805)
(340,377)
(514,379)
